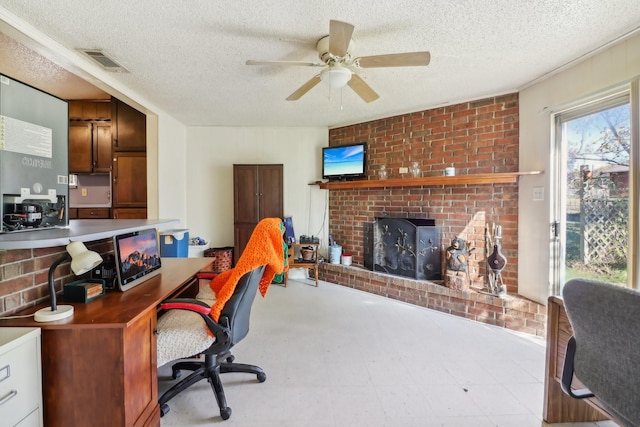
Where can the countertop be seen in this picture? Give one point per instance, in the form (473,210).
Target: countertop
(82,230)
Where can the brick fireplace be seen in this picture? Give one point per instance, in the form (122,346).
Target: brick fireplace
(477,137)
(406,247)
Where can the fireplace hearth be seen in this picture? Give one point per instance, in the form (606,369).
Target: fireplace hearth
(407,247)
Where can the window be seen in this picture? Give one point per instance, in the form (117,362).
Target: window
(594,207)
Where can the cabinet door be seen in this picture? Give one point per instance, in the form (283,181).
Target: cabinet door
(93,213)
(90,110)
(130,213)
(129,127)
(270,191)
(80,152)
(101,147)
(89,147)
(103,110)
(140,370)
(245,194)
(241,235)
(129,179)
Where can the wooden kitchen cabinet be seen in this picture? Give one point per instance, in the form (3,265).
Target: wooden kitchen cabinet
(89,147)
(257,194)
(130,213)
(94,213)
(90,110)
(129,127)
(129,185)
(110,136)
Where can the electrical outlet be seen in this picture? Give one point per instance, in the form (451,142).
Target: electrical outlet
(84,192)
(538,193)
(403,170)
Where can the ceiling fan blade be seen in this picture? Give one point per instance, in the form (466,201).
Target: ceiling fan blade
(363,90)
(304,88)
(409,59)
(287,63)
(339,37)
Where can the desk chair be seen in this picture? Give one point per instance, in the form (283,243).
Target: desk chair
(604,350)
(181,327)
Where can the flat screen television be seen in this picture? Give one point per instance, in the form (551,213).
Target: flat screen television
(344,161)
(137,257)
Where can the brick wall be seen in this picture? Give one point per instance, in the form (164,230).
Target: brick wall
(475,137)
(510,311)
(24,274)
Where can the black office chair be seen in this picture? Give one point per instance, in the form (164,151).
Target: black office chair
(232,326)
(604,350)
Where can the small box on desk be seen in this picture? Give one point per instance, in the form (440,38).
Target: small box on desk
(83,290)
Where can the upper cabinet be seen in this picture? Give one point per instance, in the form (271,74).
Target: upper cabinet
(89,147)
(89,136)
(129,127)
(129,184)
(110,136)
(90,110)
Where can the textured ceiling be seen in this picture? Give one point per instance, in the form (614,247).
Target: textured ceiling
(188,57)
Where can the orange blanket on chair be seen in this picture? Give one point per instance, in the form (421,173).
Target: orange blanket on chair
(266,246)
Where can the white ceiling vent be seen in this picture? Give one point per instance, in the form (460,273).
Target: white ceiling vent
(105,62)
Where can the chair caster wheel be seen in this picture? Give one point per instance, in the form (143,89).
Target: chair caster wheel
(225,413)
(262,377)
(231,358)
(176,374)
(164,410)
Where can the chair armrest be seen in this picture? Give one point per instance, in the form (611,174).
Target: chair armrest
(186,304)
(207,274)
(200,308)
(567,373)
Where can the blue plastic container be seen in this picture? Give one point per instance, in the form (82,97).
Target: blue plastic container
(174,243)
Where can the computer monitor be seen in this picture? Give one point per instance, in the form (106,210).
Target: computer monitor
(137,257)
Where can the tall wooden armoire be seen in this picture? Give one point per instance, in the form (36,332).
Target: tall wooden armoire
(257,194)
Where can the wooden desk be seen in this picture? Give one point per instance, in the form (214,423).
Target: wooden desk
(99,366)
(558,406)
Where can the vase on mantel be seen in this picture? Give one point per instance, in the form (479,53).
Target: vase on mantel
(382,172)
(415,170)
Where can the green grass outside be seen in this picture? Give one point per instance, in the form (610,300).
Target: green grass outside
(576,269)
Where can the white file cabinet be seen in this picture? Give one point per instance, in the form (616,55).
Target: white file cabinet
(20,377)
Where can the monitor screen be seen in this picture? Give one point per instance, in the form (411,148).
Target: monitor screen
(344,161)
(137,257)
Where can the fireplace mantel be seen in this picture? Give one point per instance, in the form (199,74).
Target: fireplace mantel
(482,178)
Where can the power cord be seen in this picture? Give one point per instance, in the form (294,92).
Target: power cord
(17,317)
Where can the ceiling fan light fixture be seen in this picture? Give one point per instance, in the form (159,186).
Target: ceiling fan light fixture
(336,77)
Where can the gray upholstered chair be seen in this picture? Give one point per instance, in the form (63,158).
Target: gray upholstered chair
(604,352)
(182,334)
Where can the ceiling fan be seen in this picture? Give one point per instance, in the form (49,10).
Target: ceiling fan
(340,68)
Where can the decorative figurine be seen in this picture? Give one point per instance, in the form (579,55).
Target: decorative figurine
(457,255)
(457,260)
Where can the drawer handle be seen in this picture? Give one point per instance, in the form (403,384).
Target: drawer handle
(5,372)
(8,397)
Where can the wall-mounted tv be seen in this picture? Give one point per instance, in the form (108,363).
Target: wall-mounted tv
(344,161)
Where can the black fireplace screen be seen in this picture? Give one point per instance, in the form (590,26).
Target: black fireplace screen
(408,247)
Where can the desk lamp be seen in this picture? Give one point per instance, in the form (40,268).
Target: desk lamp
(82,260)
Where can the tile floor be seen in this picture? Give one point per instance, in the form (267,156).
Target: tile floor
(339,357)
